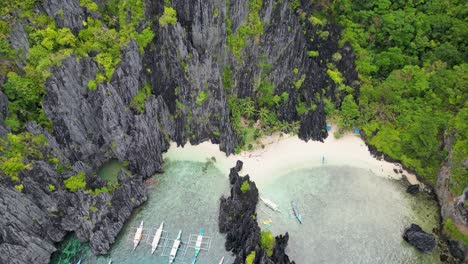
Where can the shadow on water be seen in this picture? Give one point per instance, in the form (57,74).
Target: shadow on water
(70,250)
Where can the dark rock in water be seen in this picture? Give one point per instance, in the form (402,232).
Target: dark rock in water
(456,249)
(238,219)
(238,166)
(279,252)
(419,239)
(413,189)
(395,170)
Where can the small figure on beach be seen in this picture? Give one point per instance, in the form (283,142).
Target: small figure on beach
(323,158)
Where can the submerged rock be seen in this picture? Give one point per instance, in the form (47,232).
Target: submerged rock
(413,189)
(419,239)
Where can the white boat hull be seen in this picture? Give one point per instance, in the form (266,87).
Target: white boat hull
(157,238)
(138,236)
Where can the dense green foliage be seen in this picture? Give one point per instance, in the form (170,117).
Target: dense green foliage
(138,102)
(18,151)
(250,258)
(451,230)
(267,242)
(411,59)
(245,187)
(76,182)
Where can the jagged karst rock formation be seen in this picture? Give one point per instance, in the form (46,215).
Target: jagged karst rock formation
(92,127)
(237,218)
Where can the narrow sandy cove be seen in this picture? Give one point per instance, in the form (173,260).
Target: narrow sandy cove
(286,153)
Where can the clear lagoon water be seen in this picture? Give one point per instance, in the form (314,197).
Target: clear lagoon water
(350,215)
(186,197)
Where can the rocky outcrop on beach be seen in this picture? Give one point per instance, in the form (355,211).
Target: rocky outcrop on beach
(419,239)
(238,220)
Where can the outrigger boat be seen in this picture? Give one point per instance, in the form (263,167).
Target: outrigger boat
(221,261)
(175,248)
(157,237)
(198,245)
(296,211)
(270,204)
(138,236)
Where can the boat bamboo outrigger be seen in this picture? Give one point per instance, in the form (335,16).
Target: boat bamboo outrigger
(221,261)
(270,204)
(296,211)
(138,236)
(157,237)
(175,248)
(198,245)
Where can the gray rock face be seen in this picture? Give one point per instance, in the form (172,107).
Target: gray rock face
(22,226)
(19,41)
(66,13)
(3,113)
(95,126)
(37,217)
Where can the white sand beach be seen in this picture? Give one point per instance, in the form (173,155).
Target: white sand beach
(285,153)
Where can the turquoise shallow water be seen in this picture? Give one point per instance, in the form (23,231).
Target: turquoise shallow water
(350,215)
(186,197)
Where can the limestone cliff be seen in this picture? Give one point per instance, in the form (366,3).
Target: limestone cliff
(91,127)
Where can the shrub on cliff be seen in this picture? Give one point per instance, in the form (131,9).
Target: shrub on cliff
(168,17)
(451,229)
(245,187)
(267,242)
(250,258)
(76,182)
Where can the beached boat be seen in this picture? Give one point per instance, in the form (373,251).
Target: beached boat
(138,236)
(110,261)
(157,237)
(198,245)
(296,211)
(221,261)
(175,248)
(270,204)
(79,262)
